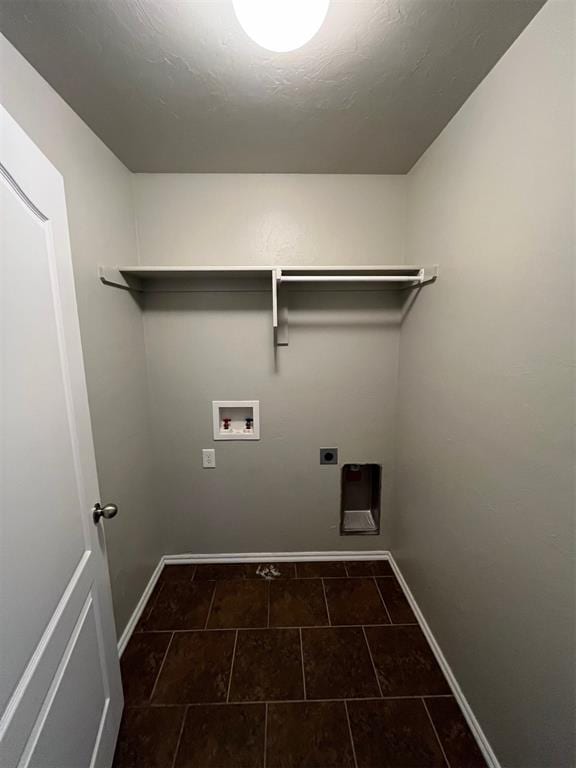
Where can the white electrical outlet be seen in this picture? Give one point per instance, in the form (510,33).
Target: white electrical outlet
(208,458)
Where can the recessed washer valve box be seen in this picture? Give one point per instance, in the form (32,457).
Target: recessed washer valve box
(236,419)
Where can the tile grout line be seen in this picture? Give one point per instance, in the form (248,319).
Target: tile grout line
(153,599)
(326,603)
(350,732)
(382,600)
(210,606)
(180,736)
(372,660)
(268,593)
(161,668)
(232,667)
(302,660)
(435,732)
(288,701)
(287,578)
(265,732)
(282,626)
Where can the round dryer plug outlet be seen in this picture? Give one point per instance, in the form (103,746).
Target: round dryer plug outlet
(328,455)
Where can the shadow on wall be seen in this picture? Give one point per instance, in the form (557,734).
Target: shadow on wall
(321,309)
(318,307)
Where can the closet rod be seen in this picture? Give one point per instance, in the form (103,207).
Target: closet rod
(351,278)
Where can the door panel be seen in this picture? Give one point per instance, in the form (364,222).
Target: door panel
(60,691)
(56,746)
(26,704)
(40,505)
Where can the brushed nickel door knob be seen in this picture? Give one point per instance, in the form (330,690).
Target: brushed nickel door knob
(107,512)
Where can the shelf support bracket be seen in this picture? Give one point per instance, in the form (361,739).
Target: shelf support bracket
(429,274)
(115,278)
(279,310)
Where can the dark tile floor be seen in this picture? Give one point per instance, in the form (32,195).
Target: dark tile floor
(286,665)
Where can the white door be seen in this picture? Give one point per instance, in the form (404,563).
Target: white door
(60,691)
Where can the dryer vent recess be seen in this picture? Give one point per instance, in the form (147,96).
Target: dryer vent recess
(360,499)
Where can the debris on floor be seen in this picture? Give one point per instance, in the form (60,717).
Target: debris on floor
(268,572)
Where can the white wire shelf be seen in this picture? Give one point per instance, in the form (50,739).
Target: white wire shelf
(144,278)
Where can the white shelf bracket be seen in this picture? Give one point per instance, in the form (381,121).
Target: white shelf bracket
(429,274)
(279,310)
(114,277)
(275,298)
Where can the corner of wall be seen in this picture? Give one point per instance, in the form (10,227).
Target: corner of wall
(485,453)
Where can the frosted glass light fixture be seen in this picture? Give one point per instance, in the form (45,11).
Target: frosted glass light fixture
(281,25)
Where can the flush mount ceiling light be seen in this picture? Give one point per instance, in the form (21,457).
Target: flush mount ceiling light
(281,25)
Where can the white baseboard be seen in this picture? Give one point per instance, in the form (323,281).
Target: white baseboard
(264,557)
(131,626)
(475,727)
(278,557)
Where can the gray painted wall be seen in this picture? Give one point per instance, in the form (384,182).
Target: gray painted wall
(334,385)
(100,214)
(484,519)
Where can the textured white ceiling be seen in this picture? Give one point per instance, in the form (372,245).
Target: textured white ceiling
(176,86)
